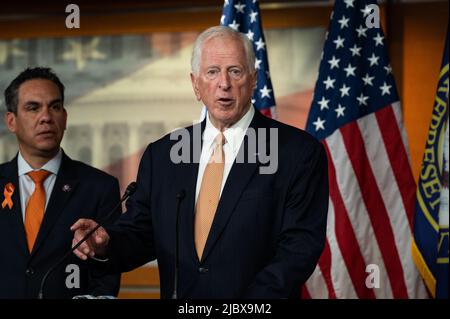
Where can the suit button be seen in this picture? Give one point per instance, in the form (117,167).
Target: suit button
(202,270)
(29,272)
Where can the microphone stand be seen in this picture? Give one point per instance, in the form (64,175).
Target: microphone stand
(180,197)
(128,192)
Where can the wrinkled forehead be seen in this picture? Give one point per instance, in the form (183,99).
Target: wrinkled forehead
(223,48)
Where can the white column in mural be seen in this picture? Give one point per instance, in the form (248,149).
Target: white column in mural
(2,149)
(133,141)
(134,144)
(97,149)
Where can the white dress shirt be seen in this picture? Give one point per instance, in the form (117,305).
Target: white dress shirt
(26,184)
(234,136)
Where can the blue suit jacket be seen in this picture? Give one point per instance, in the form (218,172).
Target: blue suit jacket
(80,191)
(268,231)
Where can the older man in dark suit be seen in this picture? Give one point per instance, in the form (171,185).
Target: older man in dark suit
(251,193)
(44,193)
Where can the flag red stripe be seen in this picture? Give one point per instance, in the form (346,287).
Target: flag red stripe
(345,236)
(398,157)
(325,268)
(266,112)
(376,209)
(305,293)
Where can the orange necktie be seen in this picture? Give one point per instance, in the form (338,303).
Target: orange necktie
(34,212)
(209,195)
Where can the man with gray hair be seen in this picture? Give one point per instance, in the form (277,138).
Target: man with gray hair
(218,226)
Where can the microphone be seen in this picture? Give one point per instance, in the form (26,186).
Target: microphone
(180,196)
(128,192)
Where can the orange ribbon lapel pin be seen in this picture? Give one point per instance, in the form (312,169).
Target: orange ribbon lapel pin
(8,192)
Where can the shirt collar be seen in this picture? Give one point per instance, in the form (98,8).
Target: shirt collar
(233,135)
(52,165)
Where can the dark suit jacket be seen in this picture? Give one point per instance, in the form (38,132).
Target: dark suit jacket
(80,191)
(267,234)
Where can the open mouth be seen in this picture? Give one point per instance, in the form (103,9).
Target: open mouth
(225,101)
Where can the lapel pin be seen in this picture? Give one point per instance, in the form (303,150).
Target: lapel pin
(66,188)
(8,192)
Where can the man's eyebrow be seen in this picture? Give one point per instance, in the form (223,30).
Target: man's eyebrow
(36,103)
(56,101)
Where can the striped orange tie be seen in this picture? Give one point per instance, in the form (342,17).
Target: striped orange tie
(209,195)
(34,212)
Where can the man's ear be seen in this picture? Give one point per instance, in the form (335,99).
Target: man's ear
(10,121)
(195,86)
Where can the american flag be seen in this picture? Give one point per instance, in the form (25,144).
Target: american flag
(244,16)
(357,116)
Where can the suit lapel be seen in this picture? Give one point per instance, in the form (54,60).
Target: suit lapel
(11,176)
(187,174)
(187,182)
(65,185)
(238,178)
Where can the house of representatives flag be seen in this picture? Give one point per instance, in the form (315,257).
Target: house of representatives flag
(430,244)
(244,16)
(357,116)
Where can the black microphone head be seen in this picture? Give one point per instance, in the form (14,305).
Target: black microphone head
(181,194)
(131,189)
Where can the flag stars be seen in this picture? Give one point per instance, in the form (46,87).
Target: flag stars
(334,62)
(329,83)
(350,70)
(340,111)
(253,16)
(257,63)
(260,44)
(250,35)
(319,124)
(222,19)
(366,10)
(343,22)
(323,103)
(355,50)
(362,99)
(388,69)
(385,89)
(339,42)
(265,92)
(234,25)
(373,59)
(361,31)
(368,79)
(378,39)
(349,3)
(344,90)
(239,7)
